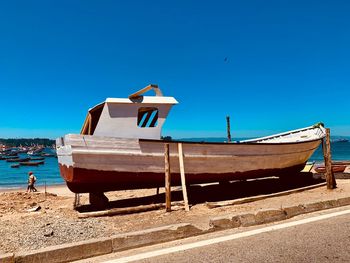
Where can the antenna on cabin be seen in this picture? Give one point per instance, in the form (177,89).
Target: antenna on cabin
(144,90)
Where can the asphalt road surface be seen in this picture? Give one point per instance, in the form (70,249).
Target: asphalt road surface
(317,237)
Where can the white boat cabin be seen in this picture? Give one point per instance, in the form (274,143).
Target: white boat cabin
(134,117)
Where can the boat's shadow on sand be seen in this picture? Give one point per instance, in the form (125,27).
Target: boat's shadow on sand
(198,194)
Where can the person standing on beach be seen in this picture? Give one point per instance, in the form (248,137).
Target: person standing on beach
(31,182)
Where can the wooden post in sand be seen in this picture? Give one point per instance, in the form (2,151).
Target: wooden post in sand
(228,128)
(167,178)
(331,183)
(183,179)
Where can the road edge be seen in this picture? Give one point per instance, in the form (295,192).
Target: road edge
(101,246)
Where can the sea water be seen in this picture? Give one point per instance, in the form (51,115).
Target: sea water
(49,173)
(340,151)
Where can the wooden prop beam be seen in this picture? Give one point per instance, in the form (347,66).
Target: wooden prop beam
(260,197)
(167,178)
(144,90)
(326,143)
(183,179)
(128,210)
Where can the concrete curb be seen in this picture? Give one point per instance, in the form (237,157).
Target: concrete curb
(274,215)
(67,252)
(153,236)
(100,246)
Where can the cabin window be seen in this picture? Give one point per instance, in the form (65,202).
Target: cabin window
(147,117)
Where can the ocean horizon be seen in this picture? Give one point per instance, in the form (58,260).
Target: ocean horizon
(49,172)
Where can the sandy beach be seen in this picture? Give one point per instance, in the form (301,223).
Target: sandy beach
(56,222)
(58,189)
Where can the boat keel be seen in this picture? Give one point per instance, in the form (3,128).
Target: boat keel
(98,200)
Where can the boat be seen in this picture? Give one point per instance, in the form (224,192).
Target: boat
(37,158)
(15,166)
(6,157)
(13,154)
(48,155)
(31,163)
(335,168)
(36,152)
(120,148)
(13,160)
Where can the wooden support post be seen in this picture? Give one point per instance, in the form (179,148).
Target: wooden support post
(167,178)
(228,128)
(76,201)
(331,183)
(183,179)
(45,190)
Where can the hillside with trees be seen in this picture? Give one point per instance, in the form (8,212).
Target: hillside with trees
(27,142)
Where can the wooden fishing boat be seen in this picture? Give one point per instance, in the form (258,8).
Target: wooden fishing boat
(335,168)
(31,163)
(36,152)
(48,155)
(6,157)
(17,160)
(120,148)
(37,158)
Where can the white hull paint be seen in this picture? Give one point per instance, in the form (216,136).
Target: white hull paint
(123,156)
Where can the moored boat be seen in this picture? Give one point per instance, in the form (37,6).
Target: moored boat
(335,168)
(37,158)
(15,166)
(36,152)
(48,155)
(31,163)
(6,157)
(17,160)
(119,147)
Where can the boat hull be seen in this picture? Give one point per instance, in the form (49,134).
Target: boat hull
(128,180)
(101,164)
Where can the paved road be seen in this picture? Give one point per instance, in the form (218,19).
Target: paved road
(319,237)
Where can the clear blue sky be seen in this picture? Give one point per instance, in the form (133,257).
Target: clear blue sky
(287,63)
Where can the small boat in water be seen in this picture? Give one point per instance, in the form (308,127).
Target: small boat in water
(17,160)
(48,155)
(36,152)
(15,166)
(6,157)
(37,158)
(31,163)
(120,147)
